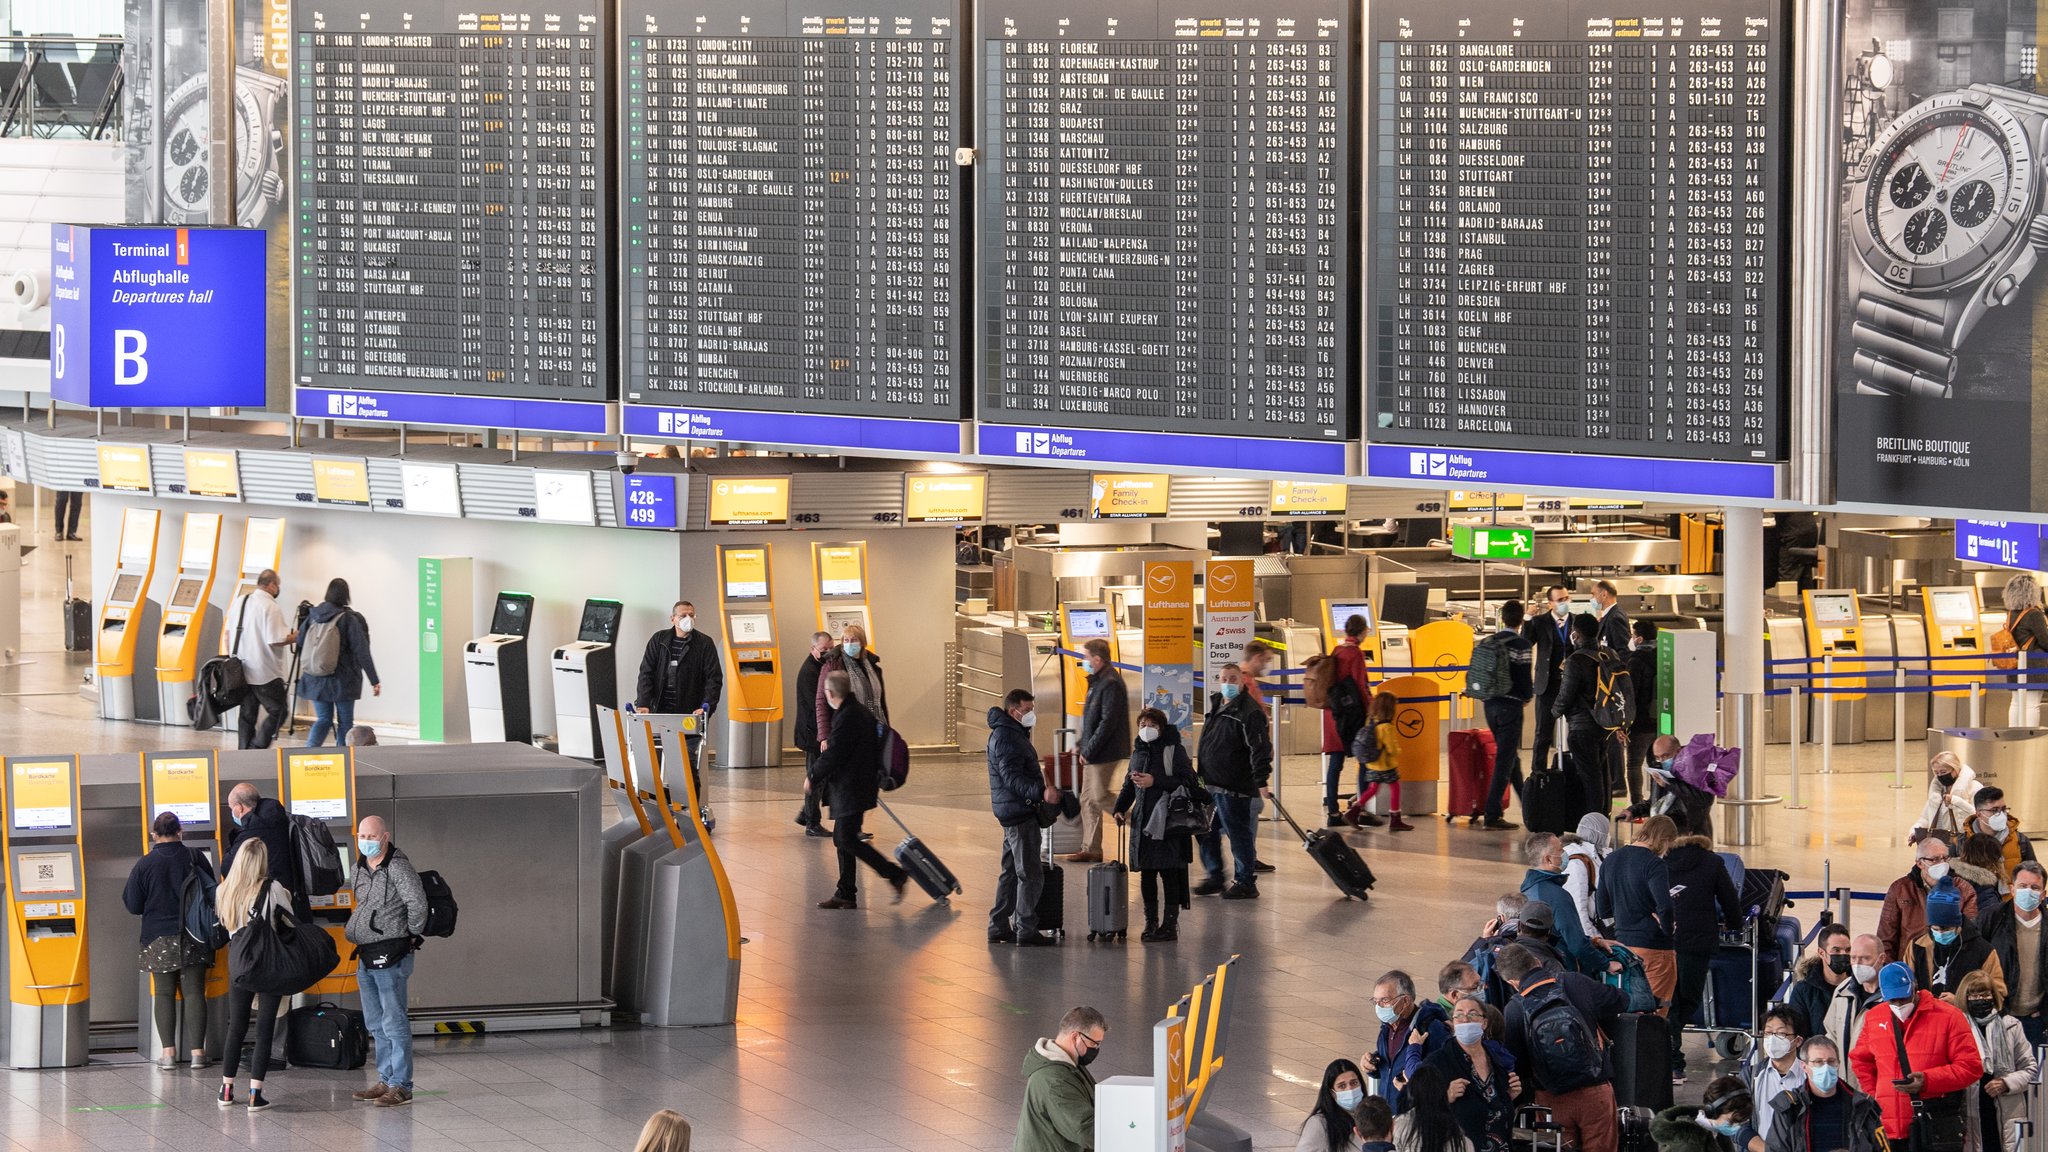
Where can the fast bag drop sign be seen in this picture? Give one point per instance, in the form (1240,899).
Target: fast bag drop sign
(157,317)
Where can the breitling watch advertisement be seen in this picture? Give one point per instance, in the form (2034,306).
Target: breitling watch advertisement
(169,176)
(1940,308)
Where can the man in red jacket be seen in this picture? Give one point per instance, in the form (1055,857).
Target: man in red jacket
(1938,1048)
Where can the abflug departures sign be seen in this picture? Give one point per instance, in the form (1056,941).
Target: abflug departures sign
(157,317)
(1938,387)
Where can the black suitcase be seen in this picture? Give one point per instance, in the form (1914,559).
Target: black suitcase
(923,864)
(1632,1128)
(326,1036)
(77,617)
(1642,1063)
(1734,988)
(1052,901)
(1335,855)
(1551,799)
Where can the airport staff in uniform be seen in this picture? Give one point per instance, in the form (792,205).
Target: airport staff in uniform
(680,672)
(1614,625)
(260,634)
(1550,636)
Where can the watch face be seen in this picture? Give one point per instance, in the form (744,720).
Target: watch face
(1947,185)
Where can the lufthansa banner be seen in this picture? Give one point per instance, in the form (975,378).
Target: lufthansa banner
(1169,682)
(1227,615)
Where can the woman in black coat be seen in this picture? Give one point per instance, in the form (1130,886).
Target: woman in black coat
(1160,766)
(155,892)
(1703,902)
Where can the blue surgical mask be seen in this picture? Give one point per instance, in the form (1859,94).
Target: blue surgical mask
(1727,1129)
(1230,691)
(236,819)
(1823,1078)
(852,649)
(1469,1032)
(1385,1012)
(369,847)
(1350,1098)
(1945,935)
(2027,899)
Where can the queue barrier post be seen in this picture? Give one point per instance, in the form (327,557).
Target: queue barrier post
(1898,726)
(1798,715)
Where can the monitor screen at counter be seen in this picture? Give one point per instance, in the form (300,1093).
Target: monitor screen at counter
(1342,611)
(1084,623)
(186,595)
(600,621)
(1954,606)
(40,795)
(1834,610)
(750,628)
(746,573)
(127,586)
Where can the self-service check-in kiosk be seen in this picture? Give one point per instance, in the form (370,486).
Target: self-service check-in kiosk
(187,784)
(753,672)
(1955,628)
(494,667)
(262,547)
(49,984)
(126,655)
(1834,642)
(839,579)
(629,826)
(586,675)
(191,621)
(692,972)
(320,783)
(1080,623)
(641,773)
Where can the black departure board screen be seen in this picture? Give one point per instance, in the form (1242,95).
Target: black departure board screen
(792,205)
(1576,244)
(452,216)
(1165,215)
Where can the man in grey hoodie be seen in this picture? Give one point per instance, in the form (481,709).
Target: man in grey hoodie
(389,910)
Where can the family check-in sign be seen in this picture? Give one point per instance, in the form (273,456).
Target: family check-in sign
(157,317)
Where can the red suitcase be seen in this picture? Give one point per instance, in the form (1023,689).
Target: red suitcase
(1472,752)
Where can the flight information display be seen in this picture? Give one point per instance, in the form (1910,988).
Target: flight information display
(792,207)
(1576,244)
(1166,224)
(452,216)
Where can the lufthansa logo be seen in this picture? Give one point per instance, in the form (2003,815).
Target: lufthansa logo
(1161,579)
(1223,579)
(1408,722)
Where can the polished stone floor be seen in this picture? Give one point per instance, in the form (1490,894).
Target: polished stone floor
(893,1026)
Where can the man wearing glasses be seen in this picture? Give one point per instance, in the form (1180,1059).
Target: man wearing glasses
(1824,1112)
(1905,905)
(1059,1092)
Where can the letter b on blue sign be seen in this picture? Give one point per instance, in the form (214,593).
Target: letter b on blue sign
(129,366)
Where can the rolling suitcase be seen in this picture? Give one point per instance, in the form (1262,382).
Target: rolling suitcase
(1552,799)
(1109,896)
(77,617)
(1335,855)
(1632,1126)
(923,864)
(1472,755)
(1642,1063)
(326,1036)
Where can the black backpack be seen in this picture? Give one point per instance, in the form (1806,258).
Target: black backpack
(318,855)
(1347,709)
(1614,693)
(196,904)
(1559,1039)
(440,905)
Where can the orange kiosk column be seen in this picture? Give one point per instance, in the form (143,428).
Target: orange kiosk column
(49,984)
(321,783)
(185,783)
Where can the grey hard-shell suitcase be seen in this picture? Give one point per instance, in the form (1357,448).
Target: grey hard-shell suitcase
(1109,897)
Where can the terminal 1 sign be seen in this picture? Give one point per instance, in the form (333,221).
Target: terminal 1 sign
(157,317)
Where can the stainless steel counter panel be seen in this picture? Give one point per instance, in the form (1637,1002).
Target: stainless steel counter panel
(1608,552)
(515,830)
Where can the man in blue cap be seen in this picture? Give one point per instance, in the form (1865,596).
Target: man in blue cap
(1919,1050)
(1952,947)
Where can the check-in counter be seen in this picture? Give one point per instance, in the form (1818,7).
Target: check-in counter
(995,658)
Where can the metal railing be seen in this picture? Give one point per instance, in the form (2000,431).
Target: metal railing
(61,85)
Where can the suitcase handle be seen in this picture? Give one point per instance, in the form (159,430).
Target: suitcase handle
(892,815)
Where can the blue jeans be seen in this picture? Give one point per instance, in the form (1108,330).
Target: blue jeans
(383,992)
(1233,819)
(338,717)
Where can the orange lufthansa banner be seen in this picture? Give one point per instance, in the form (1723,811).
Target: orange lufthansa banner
(1169,680)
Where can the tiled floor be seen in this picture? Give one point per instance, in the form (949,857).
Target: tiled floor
(891,1026)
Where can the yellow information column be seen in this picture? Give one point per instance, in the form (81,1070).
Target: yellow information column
(839,579)
(753,667)
(187,785)
(191,622)
(1229,616)
(126,653)
(49,984)
(1954,628)
(321,783)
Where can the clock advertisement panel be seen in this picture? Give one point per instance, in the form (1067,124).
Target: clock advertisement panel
(1939,309)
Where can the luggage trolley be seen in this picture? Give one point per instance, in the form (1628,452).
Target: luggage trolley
(1761,954)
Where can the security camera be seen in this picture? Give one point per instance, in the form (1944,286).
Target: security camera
(627,462)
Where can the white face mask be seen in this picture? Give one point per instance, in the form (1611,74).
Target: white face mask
(1029,720)
(1934,872)
(1148,735)
(1996,821)
(1864,973)
(1902,1011)
(1777,1047)
(685,625)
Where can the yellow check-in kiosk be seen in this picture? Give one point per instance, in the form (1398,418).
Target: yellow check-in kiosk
(1955,627)
(753,670)
(839,578)
(321,783)
(126,652)
(630,826)
(1834,629)
(262,547)
(186,783)
(692,975)
(1080,623)
(49,982)
(191,621)
(639,772)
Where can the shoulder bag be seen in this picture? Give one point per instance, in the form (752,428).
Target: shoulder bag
(1939,1124)
(276,955)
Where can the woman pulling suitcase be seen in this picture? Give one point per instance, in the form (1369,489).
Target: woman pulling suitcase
(1160,770)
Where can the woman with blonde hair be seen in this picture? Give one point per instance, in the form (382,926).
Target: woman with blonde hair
(247,892)
(666,1131)
(2028,628)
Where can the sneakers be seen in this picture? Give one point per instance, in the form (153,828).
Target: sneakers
(167,1063)
(372,1092)
(817,832)
(1241,892)
(838,902)
(1207,888)
(395,1098)
(1036,940)
(226,1099)
(257,1103)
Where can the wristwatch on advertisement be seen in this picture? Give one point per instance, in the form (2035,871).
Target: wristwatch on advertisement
(1948,223)
(259,150)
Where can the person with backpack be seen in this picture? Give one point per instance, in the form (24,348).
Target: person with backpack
(1635,893)
(387,914)
(1344,702)
(244,897)
(1160,770)
(258,635)
(1501,678)
(1554,1030)
(174,960)
(1703,902)
(847,777)
(259,819)
(2027,629)
(1585,702)
(334,658)
(1642,680)
(1584,849)
(1410,1032)
(1544,882)
(1379,762)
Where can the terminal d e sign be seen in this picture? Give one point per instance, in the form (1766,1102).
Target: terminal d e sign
(157,317)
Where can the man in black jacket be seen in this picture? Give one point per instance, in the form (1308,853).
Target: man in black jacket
(806,732)
(1583,1107)
(1549,639)
(847,775)
(258,817)
(1614,626)
(1236,761)
(1584,736)
(1103,747)
(2016,934)
(680,673)
(1825,1114)
(1016,787)
(1642,679)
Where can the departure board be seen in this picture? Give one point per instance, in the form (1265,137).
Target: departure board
(792,205)
(452,216)
(1576,239)
(1165,215)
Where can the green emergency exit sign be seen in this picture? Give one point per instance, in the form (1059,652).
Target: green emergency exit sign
(1485,542)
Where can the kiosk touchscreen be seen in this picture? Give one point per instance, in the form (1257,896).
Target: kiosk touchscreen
(1954,628)
(753,672)
(839,579)
(494,667)
(262,547)
(586,677)
(126,653)
(1336,613)
(191,621)
(320,783)
(1834,628)
(1080,623)
(186,784)
(49,982)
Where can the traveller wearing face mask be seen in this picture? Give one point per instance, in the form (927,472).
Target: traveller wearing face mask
(1979,861)
(1409,1033)
(1993,818)
(1689,807)
(1235,762)
(1333,1124)
(1703,903)
(2014,929)
(1160,770)
(1919,1048)
(1951,786)
(1016,787)
(1827,1112)
(1481,1075)
(1549,635)
(1781,1069)
(1951,947)
(1103,746)
(388,911)
(2010,1068)
(680,672)
(863,670)
(1642,678)
(258,817)
(1854,997)
(1720,1122)
(1904,914)
(1059,1093)
(1816,977)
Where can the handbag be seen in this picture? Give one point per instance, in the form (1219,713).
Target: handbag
(276,955)
(1939,1124)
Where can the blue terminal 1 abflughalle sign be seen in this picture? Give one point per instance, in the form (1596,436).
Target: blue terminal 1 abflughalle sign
(157,317)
